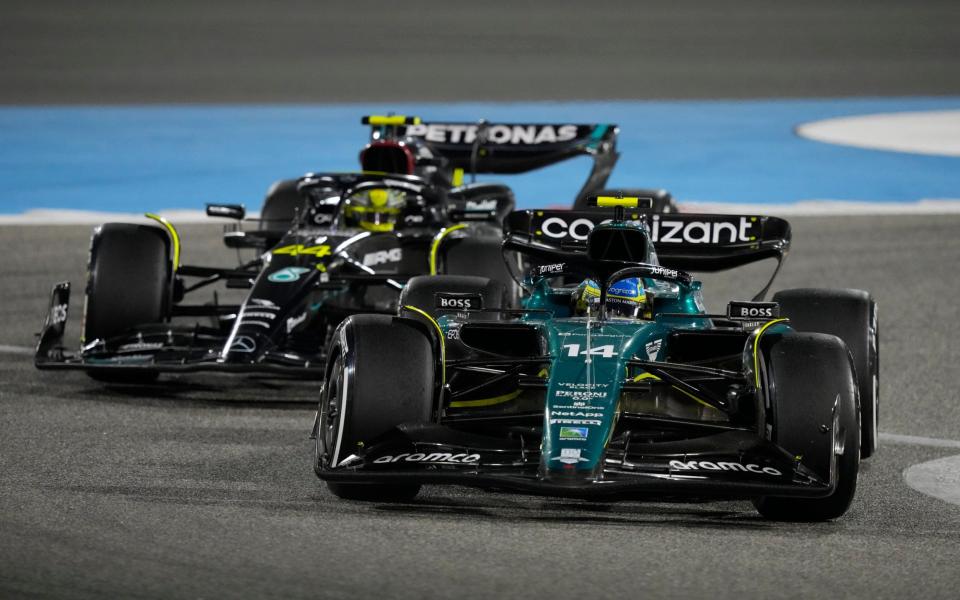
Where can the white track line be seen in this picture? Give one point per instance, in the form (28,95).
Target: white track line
(896,438)
(928,132)
(938,478)
(15,350)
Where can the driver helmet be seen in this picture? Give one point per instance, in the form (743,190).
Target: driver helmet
(626,298)
(374,209)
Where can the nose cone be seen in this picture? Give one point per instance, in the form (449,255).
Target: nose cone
(243,347)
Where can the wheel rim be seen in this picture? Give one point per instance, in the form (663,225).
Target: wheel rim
(329,414)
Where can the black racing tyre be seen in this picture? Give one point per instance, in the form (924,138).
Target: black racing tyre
(129,283)
(421,291)
(662,199)
(851,315)
(480,257)
(811,410)
(281,205)
(380,374)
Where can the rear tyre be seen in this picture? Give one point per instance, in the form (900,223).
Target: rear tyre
(662,199)
(851,315)
(129,283)
(381,374)
(481,257)
(810,408)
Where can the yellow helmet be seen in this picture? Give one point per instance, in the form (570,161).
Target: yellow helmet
(374,209)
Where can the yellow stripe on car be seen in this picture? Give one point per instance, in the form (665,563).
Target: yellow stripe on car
(457,177)
(644,376)
(435,246)
(486,401)
(174,237)
(756,348)
(443,347)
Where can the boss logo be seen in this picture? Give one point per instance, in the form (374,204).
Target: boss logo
(753,310)
(450,301)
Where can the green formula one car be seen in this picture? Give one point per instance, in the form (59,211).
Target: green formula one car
(612,381)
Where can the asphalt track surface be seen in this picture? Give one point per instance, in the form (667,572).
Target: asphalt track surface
(142,51)
(201,486)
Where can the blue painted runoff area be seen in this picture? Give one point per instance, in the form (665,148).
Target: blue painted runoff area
(135,158)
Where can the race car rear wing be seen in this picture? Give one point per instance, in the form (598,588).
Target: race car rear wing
(508,148)
(689,242)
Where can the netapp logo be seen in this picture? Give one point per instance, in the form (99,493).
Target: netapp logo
(704,465)
(436,458)
(456,133)
(459,301)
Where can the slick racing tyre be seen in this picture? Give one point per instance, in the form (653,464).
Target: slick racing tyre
(851,315)
(281,205)
(380,374)
(480,257)
(129,283)
(662,199)
(421,292)
(809,394)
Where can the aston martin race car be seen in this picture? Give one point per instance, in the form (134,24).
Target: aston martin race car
(443,154)
(357,240)
(612,381)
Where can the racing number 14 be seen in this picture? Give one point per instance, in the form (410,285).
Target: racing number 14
(607,351)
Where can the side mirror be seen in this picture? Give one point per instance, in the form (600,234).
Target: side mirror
(227,211)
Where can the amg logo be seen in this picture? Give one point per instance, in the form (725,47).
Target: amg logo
(462,133)
(451,301)
(704,465)
(382,256)
(437,458)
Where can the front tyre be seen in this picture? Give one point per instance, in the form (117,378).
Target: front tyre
(809,392)
(380,375)
(129,283)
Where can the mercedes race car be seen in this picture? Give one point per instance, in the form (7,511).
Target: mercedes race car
(442,154)
(612,381)
(329,245)
(353,246)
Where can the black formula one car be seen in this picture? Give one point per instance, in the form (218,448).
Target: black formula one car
(612,381)
(444,154)
(340,244)
(351,249)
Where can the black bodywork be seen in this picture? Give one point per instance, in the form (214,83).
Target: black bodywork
(304,281)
